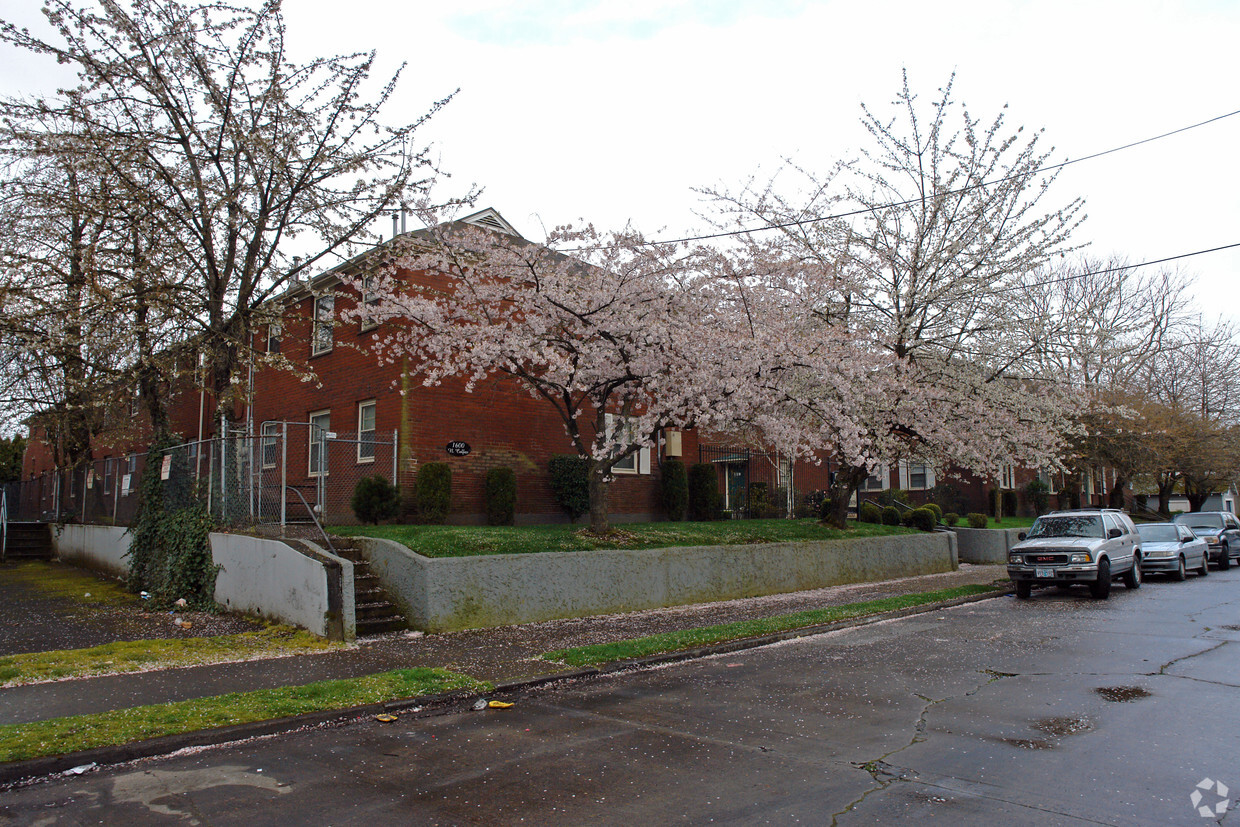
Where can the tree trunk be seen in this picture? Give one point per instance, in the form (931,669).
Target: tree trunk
(1196,498)
(598,499)
(848,480)
(1165,487)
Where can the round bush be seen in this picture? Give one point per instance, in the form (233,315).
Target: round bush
(570,483)
(977,520)
(938,512)
(870,513)
(501,496)
(951,518)
(891,515)
(375,499)
(923,519)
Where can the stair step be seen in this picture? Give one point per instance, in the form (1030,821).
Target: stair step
(380,626)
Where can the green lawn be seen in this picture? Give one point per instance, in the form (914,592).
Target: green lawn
(467,541)
(121,726)
(140,655)
(1008,522)
(704,635)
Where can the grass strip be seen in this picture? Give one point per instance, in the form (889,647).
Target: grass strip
(141,655)
(705,635)
(58,580)
(467,541)
(61,735)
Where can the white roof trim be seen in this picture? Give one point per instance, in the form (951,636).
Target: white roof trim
(491,220)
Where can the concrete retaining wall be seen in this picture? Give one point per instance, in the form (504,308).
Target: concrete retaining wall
(471,592)
(986,545)
(264,577)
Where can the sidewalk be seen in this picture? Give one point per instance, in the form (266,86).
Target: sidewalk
(501,655)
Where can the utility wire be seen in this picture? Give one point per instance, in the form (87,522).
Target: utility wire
(863,210)
(1115,269)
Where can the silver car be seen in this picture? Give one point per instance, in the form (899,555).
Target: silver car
(1087,547)
(1172,549)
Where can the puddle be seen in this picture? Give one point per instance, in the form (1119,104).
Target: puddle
(1059,727)
(1122,694)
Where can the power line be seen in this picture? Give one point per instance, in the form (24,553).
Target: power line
(851,213)
(1115,269)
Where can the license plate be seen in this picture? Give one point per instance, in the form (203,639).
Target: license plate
(1045,572)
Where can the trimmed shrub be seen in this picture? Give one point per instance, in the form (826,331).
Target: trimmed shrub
(891,515)
(906,518)
(501,496)
(434,486)
(938,512)
(977,520)
(992,501)
(923,519)
(675,483)
(570,483)
(870,513)
(375,499)
(950,519)
(811,503)
(1039,494)
(763,505)
(703,492)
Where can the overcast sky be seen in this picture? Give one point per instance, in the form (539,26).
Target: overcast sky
(615,111)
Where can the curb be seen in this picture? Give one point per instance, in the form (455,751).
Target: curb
(16,772)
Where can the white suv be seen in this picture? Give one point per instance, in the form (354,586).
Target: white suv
(1085,547)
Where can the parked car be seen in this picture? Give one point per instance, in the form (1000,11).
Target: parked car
(1087,547)
(1172,549)
(1220,530)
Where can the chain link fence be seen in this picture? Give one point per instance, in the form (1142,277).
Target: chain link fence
(276,477)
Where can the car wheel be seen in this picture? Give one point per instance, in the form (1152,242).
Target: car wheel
(1100,589)
(1205,564)
(1224,559)
(1132,577)
(1024,589)
(1181,574)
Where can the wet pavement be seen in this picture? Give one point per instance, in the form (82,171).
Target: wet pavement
(51,606)
(1056,710)
(496,655)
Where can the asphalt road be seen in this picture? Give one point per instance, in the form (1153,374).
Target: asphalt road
(1057,710)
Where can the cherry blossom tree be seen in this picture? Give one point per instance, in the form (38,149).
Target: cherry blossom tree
(617,337)
(920,249)
(229,157)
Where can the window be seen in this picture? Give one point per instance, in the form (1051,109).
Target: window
(622,433)
(1051,480)
(131,470)
(273,337)
(1008,477)
(916,475)
(369,299)
(135,401)
(271,444)
(321,337)
(366,431)
(320,424)
(878,481)
(108,471)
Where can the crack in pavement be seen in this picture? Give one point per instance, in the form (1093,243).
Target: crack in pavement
(1162,670)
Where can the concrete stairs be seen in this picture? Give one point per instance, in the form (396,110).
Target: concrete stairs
(29,541)
(375,613)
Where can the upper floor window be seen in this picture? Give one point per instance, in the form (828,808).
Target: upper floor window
(273,337)
(321,337)
(1008,477)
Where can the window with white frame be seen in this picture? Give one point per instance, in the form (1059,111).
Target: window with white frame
(878,481)
(135,401)
(109,470)
(1008,477)
(369,299)
(320,424)
(621,429)
(916,475)
(1051,480)
(271,444)
(274,330)
(366,431)
(321,336)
